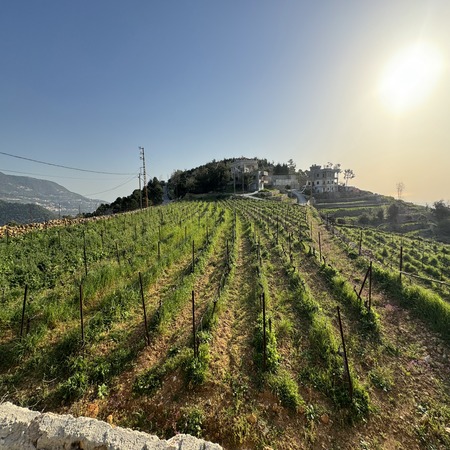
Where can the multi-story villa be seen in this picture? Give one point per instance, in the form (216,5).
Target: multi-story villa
(323,179)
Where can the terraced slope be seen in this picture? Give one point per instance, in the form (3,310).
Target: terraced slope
(244,340)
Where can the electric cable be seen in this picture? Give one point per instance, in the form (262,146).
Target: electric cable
(112,189)
(61,166)
(64,177)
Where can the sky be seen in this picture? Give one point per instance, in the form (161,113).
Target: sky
(84,84)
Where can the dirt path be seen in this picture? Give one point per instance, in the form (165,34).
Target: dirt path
(231,345)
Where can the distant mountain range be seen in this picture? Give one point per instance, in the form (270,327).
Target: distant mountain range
(46,194)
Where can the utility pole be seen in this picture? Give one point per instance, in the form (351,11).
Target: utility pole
(140,190)
(145,177)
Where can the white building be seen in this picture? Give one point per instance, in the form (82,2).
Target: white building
(245,172)
(281,181)
(323,179)
(244,165)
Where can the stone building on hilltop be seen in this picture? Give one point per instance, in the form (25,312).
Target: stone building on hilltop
(245,175)
(323,179)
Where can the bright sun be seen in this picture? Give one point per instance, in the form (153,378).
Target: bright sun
(410,77)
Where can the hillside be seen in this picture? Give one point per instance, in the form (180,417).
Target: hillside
(238,321)
(47,194)
(23,213)
(367,210)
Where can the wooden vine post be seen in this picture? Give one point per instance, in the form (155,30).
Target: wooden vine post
(159,249)
(347,369)
(263,299)
(360,243)
(320,249)
(147,336)
(23,309)
(369,277)
(194,334)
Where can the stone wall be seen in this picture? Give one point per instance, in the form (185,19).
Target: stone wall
(22,429)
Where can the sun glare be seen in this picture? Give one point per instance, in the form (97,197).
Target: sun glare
(410,77)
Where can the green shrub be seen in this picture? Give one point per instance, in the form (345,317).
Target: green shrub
(364,219)
(272,355)
(286,390)
(432,271)
(197,368)
(382,378)
(75,386)
(322,340)
(191,421)
(148,382)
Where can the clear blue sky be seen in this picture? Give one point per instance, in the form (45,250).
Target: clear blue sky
(85,83)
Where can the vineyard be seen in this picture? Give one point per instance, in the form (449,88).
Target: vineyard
(254,324)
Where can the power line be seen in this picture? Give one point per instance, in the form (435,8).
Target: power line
(65,177)
(112,189)
(72,178)
(61,166)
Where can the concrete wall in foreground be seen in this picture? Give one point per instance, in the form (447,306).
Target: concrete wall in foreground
(22,429)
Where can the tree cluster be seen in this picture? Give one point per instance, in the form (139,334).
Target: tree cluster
(281,169)
(135,200)
(216,176)
(211,177)
(441,213)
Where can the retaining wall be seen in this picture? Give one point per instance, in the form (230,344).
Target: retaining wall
(23,429)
